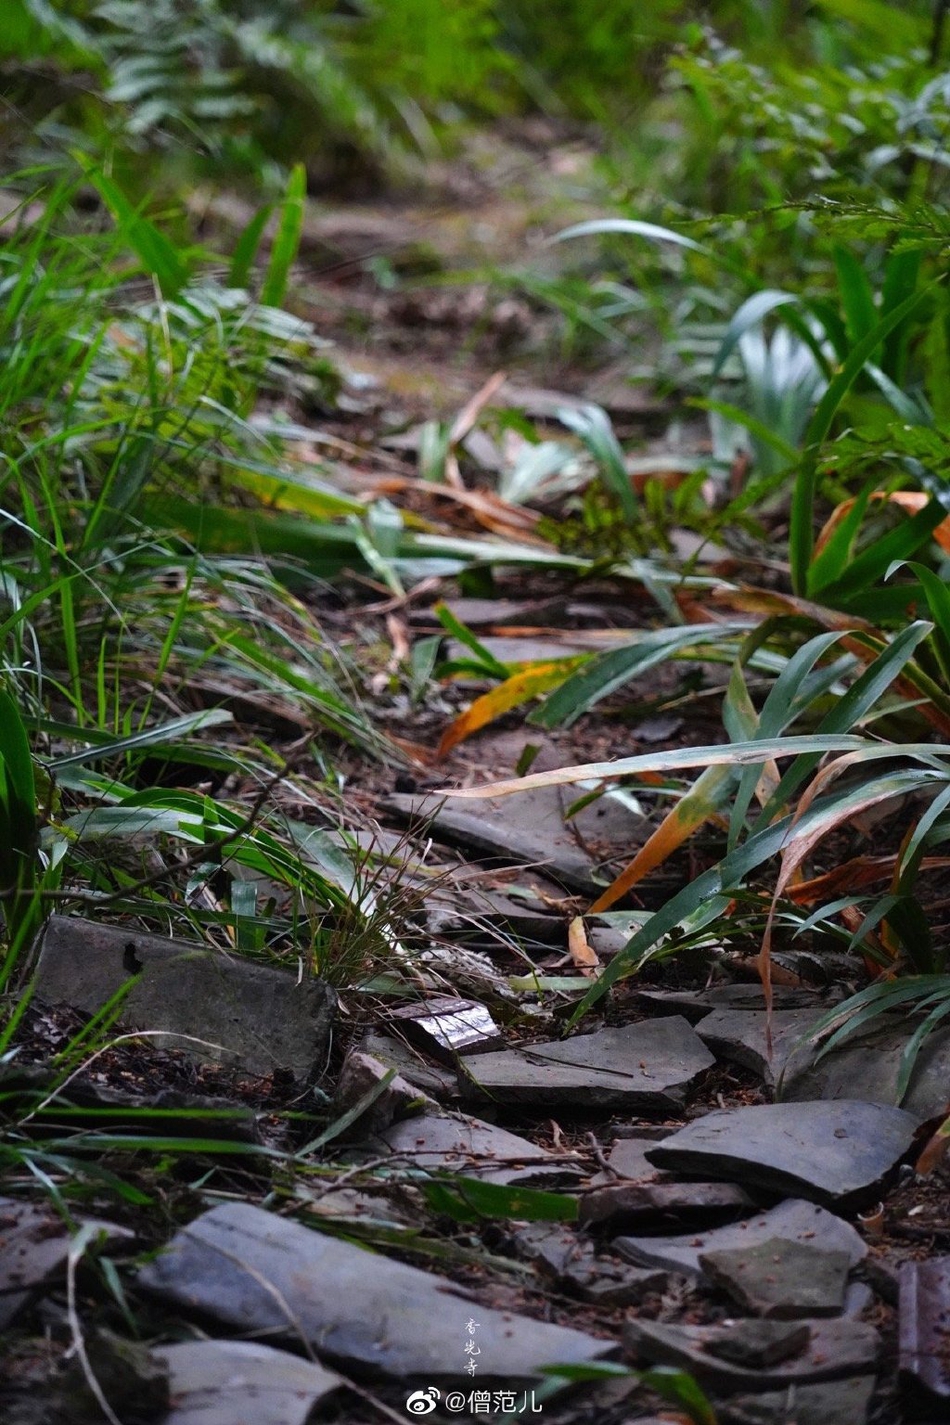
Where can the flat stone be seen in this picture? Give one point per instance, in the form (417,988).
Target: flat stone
(458,1144)
(529,829)
(780,1278)
(410,1065)
(696,1005)
(257,1272)
(626,1204)
(362,1074)
(209,1005)
(34,1248)
(570,1259)
(792,1220)
(642,1067)
(229,1382)
(834,1348)
(758,1344)
(475,914)
(837,1402)
(872,1060)
(742,1036)
(835,1152)
(628,1159)
(924,1326)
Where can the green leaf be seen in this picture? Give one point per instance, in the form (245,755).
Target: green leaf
(801,536)
(600,226)
(158,256)
(287,239)
(471,1200)
(245,249)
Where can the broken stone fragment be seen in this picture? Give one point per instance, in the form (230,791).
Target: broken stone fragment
(455,1143)
(208,1004)
(360,1076)
(779,1278)
(257,1272)
(410,1065)
(792,1220)
(832,1152)
(643,1068)
(34,1249)
(924,1326)
(624,1204)
(872,1059)
(758,1344)
(530,830)
(838,1402)
(570,1259)
(833,1348)
(228,1382)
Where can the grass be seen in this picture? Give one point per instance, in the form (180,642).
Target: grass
(177,724)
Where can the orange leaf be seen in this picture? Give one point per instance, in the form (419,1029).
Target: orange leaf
(582,953)
(528,683)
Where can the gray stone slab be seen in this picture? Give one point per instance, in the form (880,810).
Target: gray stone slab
(781,1279)
(363,1075)
(742,1036)
(837,1402)
(410,1065)
(643,1067)
(696,1005)
(210,1005)
(570,1259)
(630,1204)
(257,1272)
(872,1060)
(924,1324)
(835,1152)
(792,1220)
(241,1383)
(529,829)
(836,1348)
(459,1144)
(34,1247)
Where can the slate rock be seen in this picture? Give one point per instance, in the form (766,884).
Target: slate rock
(625,1204)
(792,1220)
(697,1005)
(362,1074)
(34,1248)
(241,1383)
(257,1272)
(872,1059)
(458,1144)
(628,1159)
(742,1036)
(835,1348)
(831,1152)
(208,1004)
(781,1279)
(645,1068)
(924,1329)
(839,1402)
(529,829)
(758,1344)
(410,1065)
(570,1259)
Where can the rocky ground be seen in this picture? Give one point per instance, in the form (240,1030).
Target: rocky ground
(376,1206)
